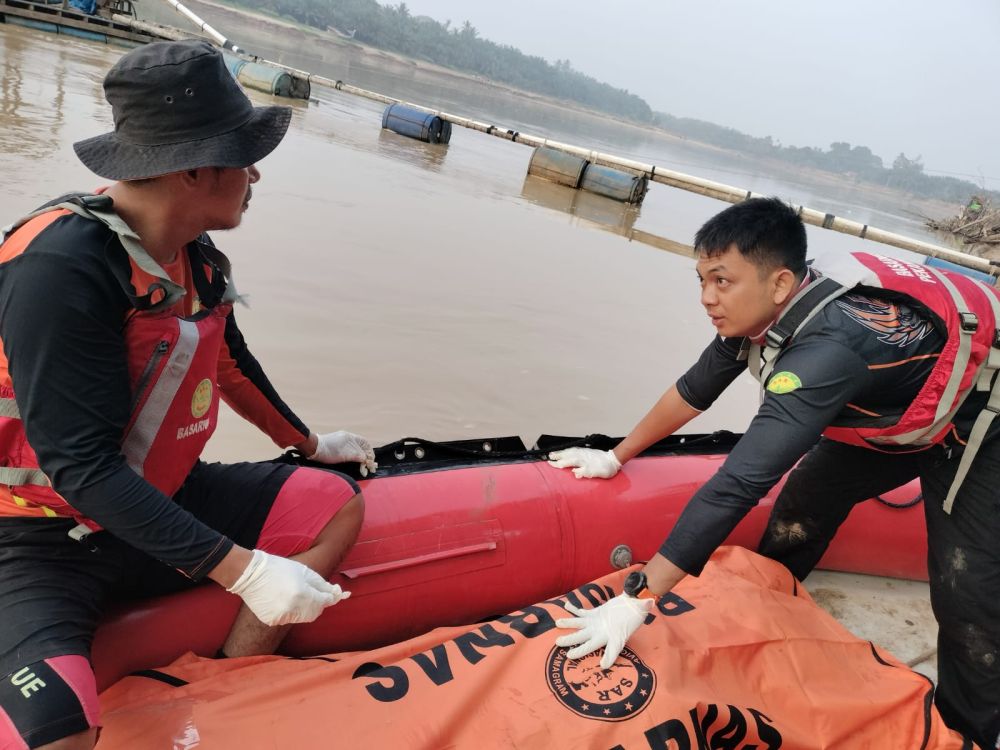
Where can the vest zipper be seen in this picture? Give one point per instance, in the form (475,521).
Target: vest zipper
(147,373)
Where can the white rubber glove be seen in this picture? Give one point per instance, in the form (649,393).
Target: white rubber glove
(609,625)
(587,462)
(344,447)
(282,591)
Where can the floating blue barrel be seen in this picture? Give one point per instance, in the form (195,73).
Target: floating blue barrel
(557,166)
(614,183)
(234,63)
(416,123)
(268,79)
(947,265)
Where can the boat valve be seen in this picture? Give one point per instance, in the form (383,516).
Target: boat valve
(621,556)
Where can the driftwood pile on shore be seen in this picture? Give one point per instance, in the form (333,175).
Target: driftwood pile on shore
(978,223)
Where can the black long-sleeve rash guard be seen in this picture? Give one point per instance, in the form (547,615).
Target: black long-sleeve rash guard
(859,361)
(62,316)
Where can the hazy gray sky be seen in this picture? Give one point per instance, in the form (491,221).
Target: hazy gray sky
(917,76)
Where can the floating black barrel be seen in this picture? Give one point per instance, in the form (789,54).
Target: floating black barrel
(557,166)
(416,123)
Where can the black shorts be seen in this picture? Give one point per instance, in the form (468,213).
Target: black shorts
(53,591)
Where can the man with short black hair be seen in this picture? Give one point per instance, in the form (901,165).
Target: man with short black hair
(876,369)
(118,339)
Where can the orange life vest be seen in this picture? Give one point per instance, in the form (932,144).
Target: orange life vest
(172,367)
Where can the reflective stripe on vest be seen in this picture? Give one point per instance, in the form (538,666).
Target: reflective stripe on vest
(8,408)
(13,475)
(951,401)
(982,424)
(19,476)
(149,421)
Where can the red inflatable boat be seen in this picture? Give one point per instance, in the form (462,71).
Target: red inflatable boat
(458,532)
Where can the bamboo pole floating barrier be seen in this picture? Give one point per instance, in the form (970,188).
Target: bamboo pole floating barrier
(690,183)
(219,38)
(683,181)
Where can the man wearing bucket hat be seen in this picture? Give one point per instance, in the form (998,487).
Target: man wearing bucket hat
(118,339)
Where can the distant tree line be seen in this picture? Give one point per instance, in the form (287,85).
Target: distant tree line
(859,162)
(395,29)
(460,47)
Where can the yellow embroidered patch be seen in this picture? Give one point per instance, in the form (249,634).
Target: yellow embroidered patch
(784,382)
(202,398)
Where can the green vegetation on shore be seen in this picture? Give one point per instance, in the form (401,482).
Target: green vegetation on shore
(841,158)
(395,29)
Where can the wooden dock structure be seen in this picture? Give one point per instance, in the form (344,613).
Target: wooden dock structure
(62,19)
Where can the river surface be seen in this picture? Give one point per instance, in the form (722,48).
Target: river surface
(398,288)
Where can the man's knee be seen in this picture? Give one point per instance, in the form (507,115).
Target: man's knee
(353,511)
(788,531)
(797,542)
(313,508)
(346,522)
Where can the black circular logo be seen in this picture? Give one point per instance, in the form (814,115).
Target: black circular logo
(612,694)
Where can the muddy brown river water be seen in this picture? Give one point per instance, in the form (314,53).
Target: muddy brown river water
(398,288)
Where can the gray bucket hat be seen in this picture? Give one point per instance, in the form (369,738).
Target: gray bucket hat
(176,106)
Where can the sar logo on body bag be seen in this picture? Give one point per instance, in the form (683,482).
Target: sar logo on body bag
(611,694)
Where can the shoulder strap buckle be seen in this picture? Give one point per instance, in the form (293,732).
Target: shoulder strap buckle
(968,321)
(776,337)
(99,202)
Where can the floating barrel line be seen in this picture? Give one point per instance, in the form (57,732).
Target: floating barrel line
(578,173)
(709,188)
(248,69)
(268,79)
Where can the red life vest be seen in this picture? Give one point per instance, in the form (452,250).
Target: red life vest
(970,312)
(172,364)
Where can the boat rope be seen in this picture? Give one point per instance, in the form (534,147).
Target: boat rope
(907,504)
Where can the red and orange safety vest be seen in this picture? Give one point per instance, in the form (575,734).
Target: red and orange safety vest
(970,313)
(172,366)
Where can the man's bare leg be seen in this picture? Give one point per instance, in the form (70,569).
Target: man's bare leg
(249,636)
